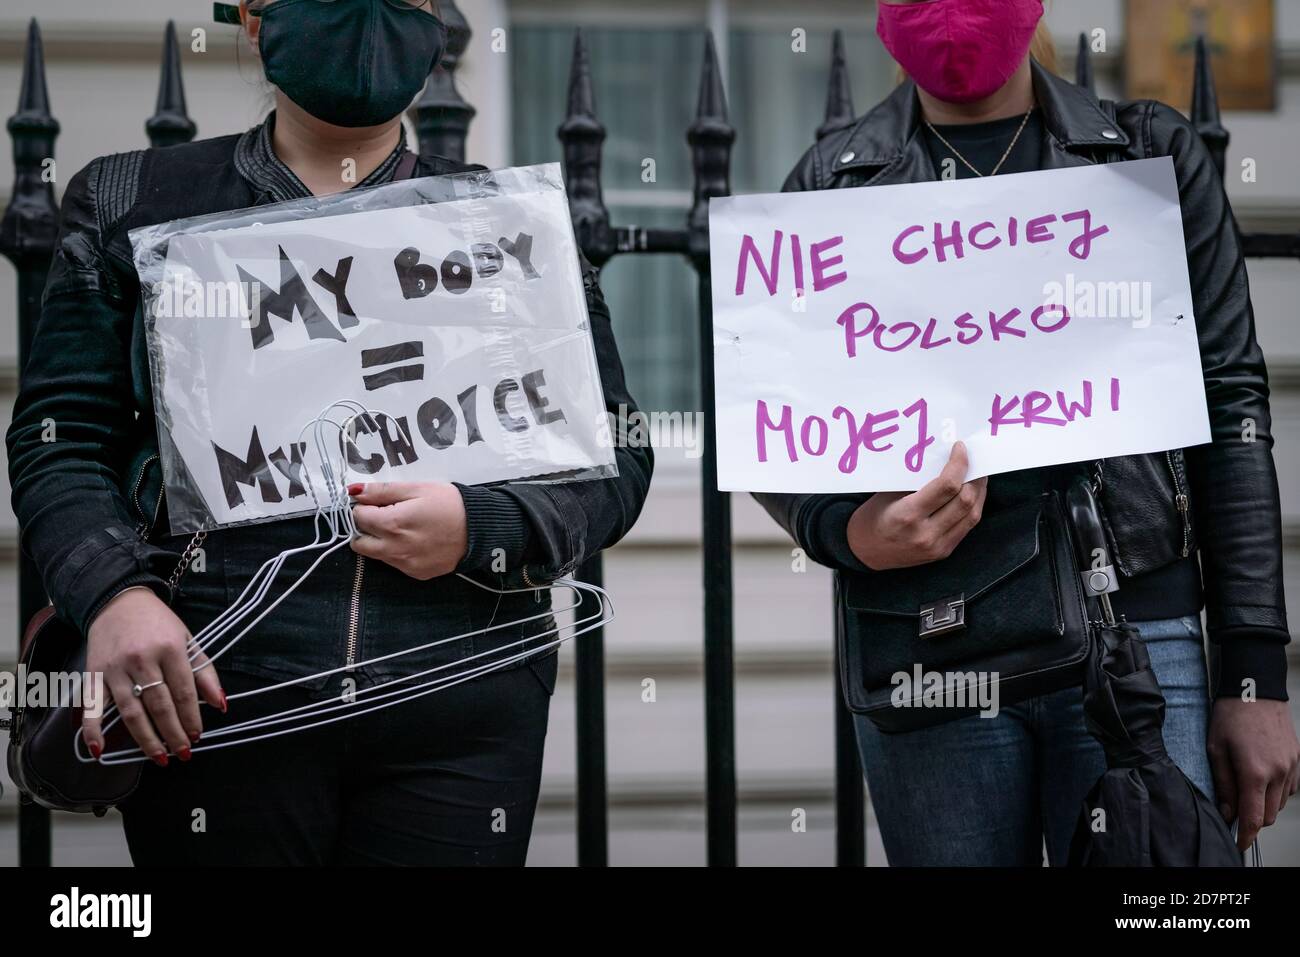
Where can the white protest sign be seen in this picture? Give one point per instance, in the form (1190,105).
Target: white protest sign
(1040,318)
(462,324)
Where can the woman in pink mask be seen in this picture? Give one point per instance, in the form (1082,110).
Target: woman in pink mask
(1189,530)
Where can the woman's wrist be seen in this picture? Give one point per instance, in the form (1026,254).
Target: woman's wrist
(118,598)
(497,530)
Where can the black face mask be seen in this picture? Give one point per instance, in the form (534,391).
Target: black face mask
(350,62)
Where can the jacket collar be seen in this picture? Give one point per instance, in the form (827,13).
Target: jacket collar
(256,161)
(1072,117)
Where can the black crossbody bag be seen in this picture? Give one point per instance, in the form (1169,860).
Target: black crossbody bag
(1002,618)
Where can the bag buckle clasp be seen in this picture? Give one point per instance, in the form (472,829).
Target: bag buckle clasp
(942,616)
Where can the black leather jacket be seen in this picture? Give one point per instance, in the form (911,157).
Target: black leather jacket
(90,503)
(1220,498)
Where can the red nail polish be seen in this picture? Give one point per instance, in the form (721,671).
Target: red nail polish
(160,760)
(223,702)
(194,738)
(184,754)
(95,750)
(355,489)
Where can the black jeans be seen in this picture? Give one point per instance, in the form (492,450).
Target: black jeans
(448,778)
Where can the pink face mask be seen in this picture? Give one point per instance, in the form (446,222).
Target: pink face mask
(959,50)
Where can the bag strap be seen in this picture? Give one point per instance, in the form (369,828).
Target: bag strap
(1108,107)
(1103,156)
(406,165)
(187,556)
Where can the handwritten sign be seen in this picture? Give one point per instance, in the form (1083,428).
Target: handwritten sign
(462,325)
(1041,318)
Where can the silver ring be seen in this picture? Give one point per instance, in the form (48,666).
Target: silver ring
(139,689)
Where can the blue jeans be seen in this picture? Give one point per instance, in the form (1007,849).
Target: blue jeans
(990,791)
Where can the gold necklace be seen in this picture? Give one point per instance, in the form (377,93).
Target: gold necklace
(1010,146)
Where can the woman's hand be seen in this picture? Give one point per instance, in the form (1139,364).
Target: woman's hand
(900,529)
(137,639)
(1254,756)
(419,528)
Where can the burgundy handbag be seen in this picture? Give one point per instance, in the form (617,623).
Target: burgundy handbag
(41,758)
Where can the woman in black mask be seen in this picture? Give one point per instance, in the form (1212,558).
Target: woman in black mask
(449,778)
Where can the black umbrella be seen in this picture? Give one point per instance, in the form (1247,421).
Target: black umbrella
(1143,812)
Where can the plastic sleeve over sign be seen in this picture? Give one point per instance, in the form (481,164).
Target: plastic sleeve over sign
(450,308)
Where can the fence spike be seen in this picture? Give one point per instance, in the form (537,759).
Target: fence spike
(839,93)
(170,123)
(28,228)
(1083,65)
(582,137)
(582,93)
(710,137)
(34,94)
(712,102)
(1205,106)
(442,117)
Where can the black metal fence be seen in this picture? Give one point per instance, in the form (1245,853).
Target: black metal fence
(442,119)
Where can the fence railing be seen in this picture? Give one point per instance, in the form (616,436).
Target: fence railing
(442,120)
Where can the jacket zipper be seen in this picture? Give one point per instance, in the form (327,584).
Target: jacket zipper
(354,611)
(1180,500)
(146,525)
(156,509)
